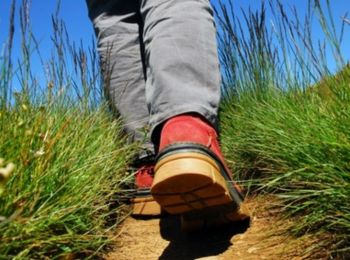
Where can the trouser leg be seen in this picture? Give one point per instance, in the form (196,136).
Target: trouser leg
(118,27)
(182,62)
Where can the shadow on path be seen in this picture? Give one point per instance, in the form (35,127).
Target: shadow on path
(200,244)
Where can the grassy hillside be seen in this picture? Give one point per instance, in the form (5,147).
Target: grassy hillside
(68,166)
(297,147)
(62,154)
(283,133)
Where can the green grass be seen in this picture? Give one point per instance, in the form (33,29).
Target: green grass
(283,134)
(69,154)
(69,165)
(298,147)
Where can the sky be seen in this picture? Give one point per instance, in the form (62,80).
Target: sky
(74,13)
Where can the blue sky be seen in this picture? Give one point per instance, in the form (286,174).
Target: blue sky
(74,13)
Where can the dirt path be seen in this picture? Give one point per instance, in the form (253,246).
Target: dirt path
(259,238)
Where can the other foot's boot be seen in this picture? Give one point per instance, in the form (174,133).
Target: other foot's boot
(143,203)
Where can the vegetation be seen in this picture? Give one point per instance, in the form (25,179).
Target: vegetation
(59,199)
(285,130)
(281,135)
(63,155)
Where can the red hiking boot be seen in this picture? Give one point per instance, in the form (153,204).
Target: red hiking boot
(143,203)
(191,177)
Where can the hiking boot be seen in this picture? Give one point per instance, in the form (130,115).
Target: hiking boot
(191,177)
(143,202)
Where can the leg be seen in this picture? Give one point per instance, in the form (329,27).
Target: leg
(118,25)
(183,92)
(181,53)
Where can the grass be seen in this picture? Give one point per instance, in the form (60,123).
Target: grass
(69,165)
(297,148)
(285,131)
(282,133)
(63,156)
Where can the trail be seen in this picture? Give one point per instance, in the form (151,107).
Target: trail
(260,238)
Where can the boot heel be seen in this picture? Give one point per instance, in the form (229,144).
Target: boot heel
(142,207)
(188,181)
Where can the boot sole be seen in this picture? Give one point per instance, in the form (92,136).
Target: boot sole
(190,181)
(145,206)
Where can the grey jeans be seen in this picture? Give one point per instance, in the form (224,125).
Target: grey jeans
(159,59)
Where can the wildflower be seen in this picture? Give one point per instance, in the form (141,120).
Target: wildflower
(39,153)
(6,171)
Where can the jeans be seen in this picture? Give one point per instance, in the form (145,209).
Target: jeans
(159,59)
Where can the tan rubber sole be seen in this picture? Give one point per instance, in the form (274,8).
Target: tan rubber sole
(145,207)
(190,181)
